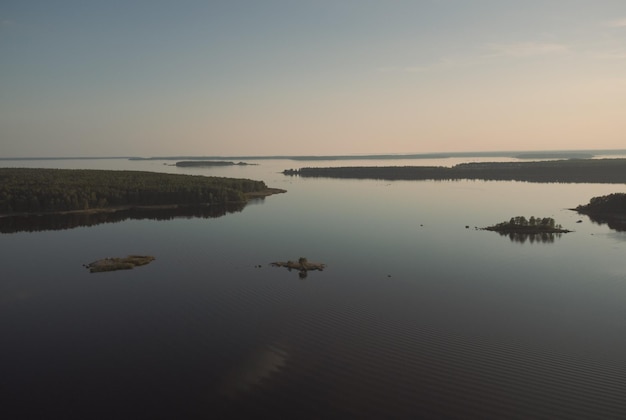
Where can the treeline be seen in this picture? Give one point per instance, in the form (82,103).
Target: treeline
(53,190)
(532,224)
(609,209)
(606,204)
(566,171)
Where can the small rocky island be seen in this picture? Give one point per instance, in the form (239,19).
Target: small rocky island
(113,264)
(533,225)
(302,265)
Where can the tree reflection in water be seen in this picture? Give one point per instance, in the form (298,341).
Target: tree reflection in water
(616,222)
(543,237)
(43,222)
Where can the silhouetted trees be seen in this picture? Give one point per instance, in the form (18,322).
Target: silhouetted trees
(609,209)
(612,203)
(572,170)
(519,224)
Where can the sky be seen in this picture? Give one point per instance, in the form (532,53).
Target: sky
(322,77)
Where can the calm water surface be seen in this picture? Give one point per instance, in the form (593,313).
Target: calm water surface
(415,316)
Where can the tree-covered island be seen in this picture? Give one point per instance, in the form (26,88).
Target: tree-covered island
(533,225)
(609,209)
(35,191)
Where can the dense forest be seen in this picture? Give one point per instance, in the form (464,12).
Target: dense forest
(25,190)
(572,170)
(608,204)
(609,209)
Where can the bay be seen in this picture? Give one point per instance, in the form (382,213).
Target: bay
(418,314)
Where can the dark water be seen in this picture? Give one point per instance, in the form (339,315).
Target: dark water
(416,316)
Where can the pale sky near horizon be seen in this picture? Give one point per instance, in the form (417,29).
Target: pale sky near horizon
(154,78)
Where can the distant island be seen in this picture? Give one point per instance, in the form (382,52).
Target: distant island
(568,171)
(204,163)
(40,191)
(609,209)
(530,226)
(554,155)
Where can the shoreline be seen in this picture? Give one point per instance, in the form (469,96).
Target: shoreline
(114,209)
(599,171)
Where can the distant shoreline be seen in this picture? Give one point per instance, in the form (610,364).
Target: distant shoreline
(521,154)
(605,171)
(209,163)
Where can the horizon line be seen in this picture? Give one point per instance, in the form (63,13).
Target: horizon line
(500,153)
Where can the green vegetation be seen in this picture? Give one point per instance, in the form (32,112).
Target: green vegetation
(533,225)
(113,264)
(574,170)
(25,190)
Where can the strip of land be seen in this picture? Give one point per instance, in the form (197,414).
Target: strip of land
(209,163)
(41,191)
(552,154)
(605,171)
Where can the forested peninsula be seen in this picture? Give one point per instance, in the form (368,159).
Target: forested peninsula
(34,191)
(609,209)
(604,171)
(605,204)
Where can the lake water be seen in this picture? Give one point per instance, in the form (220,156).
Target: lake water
(415,316)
